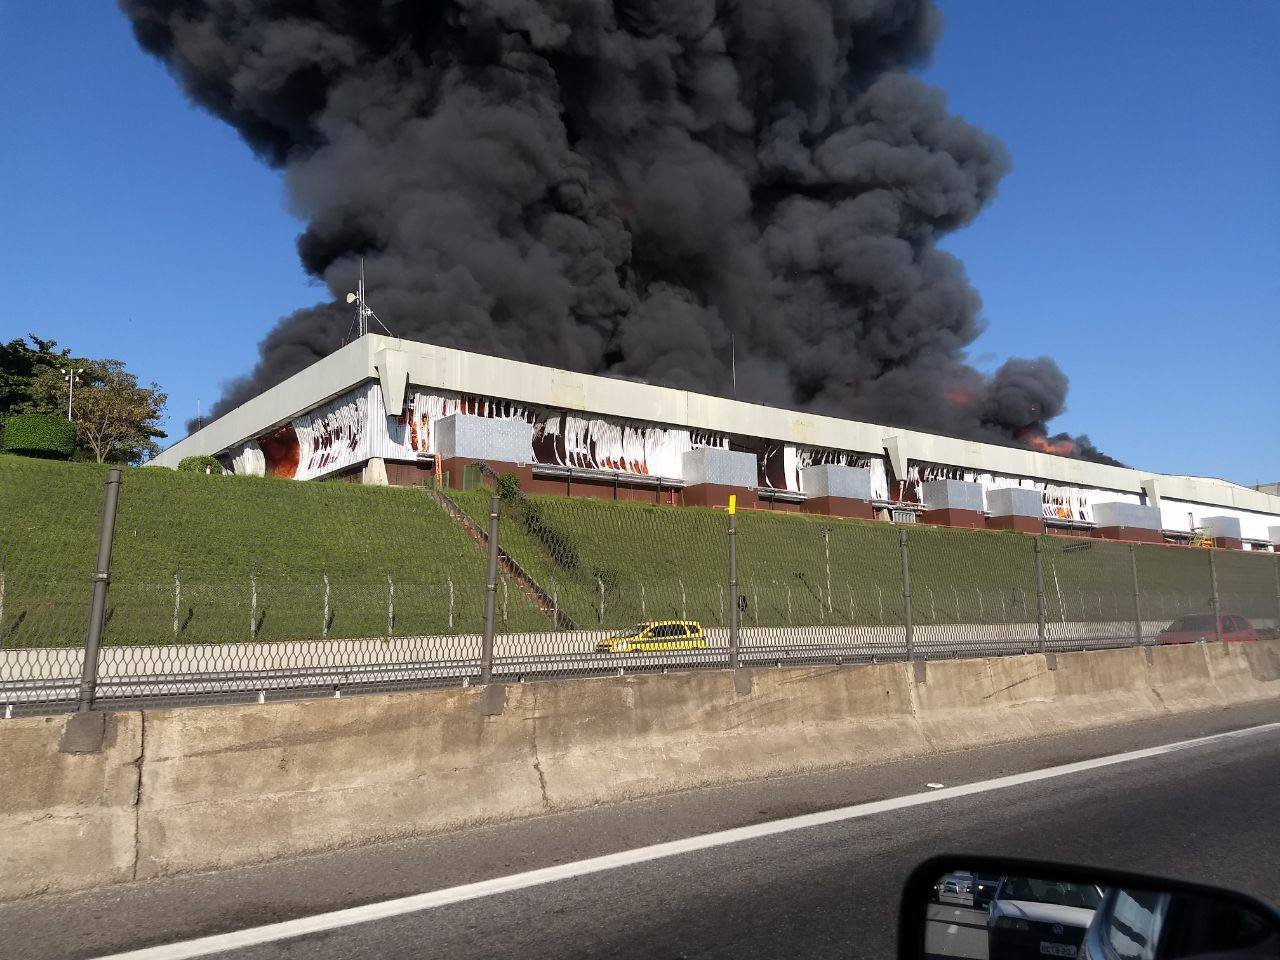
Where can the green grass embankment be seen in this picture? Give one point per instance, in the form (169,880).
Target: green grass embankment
(649,560)
(221,536)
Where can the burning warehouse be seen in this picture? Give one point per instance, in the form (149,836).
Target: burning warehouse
(390,411)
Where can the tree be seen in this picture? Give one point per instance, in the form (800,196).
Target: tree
(21,365)
(116,420)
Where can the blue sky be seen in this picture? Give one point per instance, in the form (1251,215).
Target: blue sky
(1135,240)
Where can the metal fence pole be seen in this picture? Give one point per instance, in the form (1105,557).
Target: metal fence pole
(826,546)
(391,607)
(733,594)
(177,600)
(490,594)
(1137,596)
(324,623)
(101,579)
(1217,606)
(906,595)
(1040,601)
(1277,566)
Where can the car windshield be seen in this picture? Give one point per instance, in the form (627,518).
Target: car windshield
(629,632)
(1051,891)
(1195,622)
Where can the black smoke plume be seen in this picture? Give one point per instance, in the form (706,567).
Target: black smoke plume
(621,186)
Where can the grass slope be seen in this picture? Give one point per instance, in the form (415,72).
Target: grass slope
(608,564)
(216,533)
(614,563)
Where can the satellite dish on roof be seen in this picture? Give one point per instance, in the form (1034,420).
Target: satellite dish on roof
(351,298)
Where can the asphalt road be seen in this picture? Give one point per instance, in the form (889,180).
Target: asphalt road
(1205,813)
(955,930)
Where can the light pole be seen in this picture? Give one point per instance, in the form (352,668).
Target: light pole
(72,377)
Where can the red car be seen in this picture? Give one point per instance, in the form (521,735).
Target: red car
(1199,626)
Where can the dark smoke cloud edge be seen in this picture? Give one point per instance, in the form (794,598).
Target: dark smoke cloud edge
(621,187)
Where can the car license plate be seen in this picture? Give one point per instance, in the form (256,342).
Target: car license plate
(1057,949)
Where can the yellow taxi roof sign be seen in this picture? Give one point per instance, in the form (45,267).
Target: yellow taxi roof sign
(733,503)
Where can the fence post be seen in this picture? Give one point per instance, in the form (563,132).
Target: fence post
(450,580)
(1137,597)
(101,579)
(906,596)
(1217,606)
(600,601)
(2,603)
(733,593)
(1040,603)
(683,614)
(324,624)
(177,599)
(253,607)
(490,595)
(826,545)
(644,612)
(391,607)
(1276,564)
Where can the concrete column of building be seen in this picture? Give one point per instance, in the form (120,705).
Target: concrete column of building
(1273,534)
(375,472)
(953,503)
(1115,520)
(1016,508)
(505,445)
(711,474)
(1225,531)
(837,491)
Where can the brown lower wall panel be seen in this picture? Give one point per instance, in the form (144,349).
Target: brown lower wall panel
(839,507)
(965,519)
(717,495)
(1132,534)
(400,474)
(1020,524)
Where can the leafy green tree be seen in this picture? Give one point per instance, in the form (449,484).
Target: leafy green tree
(116,419)
(21,365)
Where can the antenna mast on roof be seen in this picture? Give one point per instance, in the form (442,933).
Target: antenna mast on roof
(363,310)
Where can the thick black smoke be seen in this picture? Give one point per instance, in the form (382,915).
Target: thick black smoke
(620,186)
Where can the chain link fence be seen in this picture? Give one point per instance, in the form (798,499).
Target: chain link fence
(236,588)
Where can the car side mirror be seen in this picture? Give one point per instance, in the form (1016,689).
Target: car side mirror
(987,908)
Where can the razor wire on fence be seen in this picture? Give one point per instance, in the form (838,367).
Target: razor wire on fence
(334,587)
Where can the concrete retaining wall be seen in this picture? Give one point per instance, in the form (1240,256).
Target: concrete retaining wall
(192,789)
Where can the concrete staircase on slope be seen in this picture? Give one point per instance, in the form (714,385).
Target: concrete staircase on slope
(530,587)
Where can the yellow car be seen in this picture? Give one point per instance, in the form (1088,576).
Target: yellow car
(655,635)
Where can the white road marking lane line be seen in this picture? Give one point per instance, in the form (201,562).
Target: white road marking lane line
(288,929)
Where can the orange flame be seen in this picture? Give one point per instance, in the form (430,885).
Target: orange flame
(959,398)
(1038,441)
